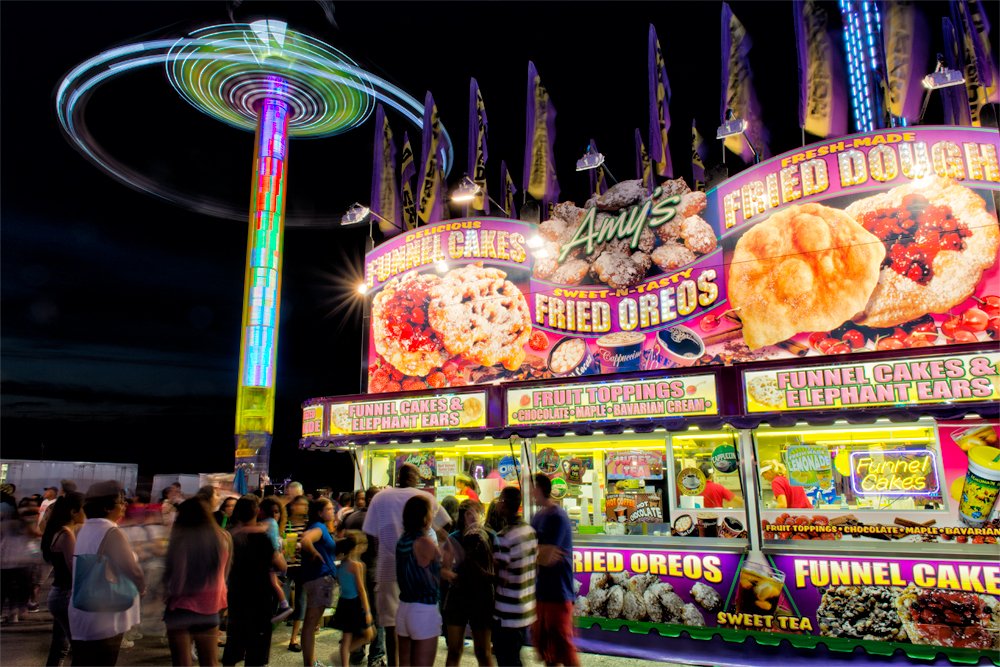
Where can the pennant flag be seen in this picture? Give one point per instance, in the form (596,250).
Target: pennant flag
(956,102)
(986,66)
(643,164)
(822,91)
(539,179)
(698,152)
(598,180)
(659,108)
(737,87)
(408,169)
(429,188)
(477,146)
(972,57)
(907,47)
(507,190)
(439,208)
(385,195)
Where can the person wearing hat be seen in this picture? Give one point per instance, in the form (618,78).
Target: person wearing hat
(97,635)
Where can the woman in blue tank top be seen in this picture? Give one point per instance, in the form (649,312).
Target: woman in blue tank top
(418,573)
(319,571)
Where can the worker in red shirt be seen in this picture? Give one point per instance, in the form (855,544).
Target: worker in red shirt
(785,494)
(716,495)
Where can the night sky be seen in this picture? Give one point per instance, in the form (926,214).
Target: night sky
(121,313)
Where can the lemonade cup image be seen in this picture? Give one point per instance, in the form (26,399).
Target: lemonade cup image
(982,486)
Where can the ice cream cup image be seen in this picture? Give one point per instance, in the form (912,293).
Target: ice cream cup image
(684,525)
(572,357)
(621,351)
(982,486)
(680,345)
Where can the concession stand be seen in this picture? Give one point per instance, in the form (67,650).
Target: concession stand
(737,421)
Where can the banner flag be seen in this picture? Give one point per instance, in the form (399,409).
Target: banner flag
(507,190)
(439,207)
(643,164)
(972,57)
(907,47)
(429,188)
(737,87)
(822,90)
(385,194)
(989,76)
(659,108)
(477,146)
(408,169)
(698,152)
(539,179)
(957,110)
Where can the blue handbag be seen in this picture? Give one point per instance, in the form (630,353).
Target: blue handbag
(97,586)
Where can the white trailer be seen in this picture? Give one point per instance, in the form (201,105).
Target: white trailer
(33,476)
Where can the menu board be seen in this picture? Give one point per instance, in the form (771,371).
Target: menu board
(410,414)
(683,396)
(919,380)
(877,241)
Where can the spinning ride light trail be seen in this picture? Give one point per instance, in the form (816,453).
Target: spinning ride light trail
(280,84)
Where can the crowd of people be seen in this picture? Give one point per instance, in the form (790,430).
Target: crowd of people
(400,570)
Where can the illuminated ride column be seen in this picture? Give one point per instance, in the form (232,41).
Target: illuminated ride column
(262,285)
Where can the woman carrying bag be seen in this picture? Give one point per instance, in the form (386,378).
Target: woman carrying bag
(107,580)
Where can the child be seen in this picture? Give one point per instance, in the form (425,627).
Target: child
(272,512)
(353,616)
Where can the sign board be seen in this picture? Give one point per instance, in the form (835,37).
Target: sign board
(410,414)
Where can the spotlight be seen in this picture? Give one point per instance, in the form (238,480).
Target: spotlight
(590,160)
(535,241)
(362,289)
(466,190)
(942,76)
(356,214)
(441,266)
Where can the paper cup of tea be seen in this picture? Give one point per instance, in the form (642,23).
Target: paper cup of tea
(571,357)
(621,351)
(680,345)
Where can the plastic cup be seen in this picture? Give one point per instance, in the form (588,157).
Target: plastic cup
(982,486)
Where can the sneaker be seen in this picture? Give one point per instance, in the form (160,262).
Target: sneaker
(133,634)
(33,607)
(128,643)
(317,663)
(283,613)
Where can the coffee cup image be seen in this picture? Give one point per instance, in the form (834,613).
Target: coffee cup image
(621,351)
(690,482)
(680,345)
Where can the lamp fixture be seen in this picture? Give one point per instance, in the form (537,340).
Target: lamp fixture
(465,191)
(942,76)
(733,126)
(359,213)
(590,160)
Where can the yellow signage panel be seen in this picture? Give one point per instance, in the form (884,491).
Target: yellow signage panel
(411,414)
(924,380)
(685,396)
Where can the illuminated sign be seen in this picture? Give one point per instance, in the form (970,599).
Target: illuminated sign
(689,395)
(951,379)
(904,472)
(312,421)
(411,414)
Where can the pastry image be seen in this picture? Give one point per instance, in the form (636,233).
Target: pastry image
(938,237)
(706,597)
(622,195)
(481,316)
(805,268)
(949,618)
(860,612)
(340,418)
(399,323)
(472,409)
(765,391)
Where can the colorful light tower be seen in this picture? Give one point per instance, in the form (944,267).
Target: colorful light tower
(278,83)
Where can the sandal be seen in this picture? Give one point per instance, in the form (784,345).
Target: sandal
(294,647)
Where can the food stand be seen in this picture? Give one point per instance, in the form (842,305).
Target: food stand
(726,391)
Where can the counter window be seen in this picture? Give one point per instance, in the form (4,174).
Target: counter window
(890,468)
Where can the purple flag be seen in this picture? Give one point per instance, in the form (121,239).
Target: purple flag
(659,107)
(598,181)
(643,164)
(822,90)
(956,103)
(385,195)
(477,146)
(539,179)
(507,191)
(988,72)
(698,152)
(973,58)
(907,51)
(408,169)
(737,87)
(429,188)
(439,204)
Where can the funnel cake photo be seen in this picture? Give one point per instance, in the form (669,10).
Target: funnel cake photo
(806,268)
(939,238)
(399,323)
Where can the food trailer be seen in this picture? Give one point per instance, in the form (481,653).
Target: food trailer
(726,391)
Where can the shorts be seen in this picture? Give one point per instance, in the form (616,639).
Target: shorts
(189,621)
(418,621)
(469,607)
(319,592)
(552,633)
(386,603)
